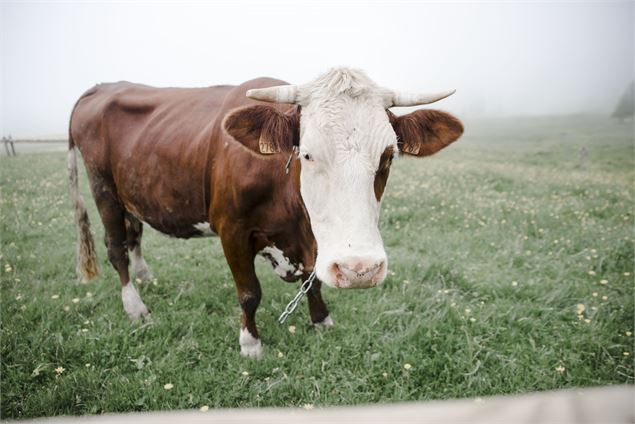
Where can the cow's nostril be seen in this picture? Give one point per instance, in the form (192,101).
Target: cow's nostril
(338,276)
(379,274)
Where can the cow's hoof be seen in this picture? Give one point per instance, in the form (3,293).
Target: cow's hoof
(250,346)
(252,351)
(140,314)
(327,323)
(132,303)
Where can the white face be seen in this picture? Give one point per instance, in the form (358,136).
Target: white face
(345,137)
(342,139)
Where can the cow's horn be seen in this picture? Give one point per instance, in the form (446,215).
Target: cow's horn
(408,99)
(277,94)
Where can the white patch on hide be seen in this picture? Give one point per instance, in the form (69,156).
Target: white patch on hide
(132,303)
(205,229)
(280,263)
(249,345)
(328,322)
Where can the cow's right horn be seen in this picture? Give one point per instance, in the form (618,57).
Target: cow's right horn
(277,94)
(407,99)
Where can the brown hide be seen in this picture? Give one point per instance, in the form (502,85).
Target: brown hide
(173,166)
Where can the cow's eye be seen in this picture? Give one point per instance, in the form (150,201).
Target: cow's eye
(307,156)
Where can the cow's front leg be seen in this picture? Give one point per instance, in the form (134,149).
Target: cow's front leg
(240,258)
(249,296)
(317,308)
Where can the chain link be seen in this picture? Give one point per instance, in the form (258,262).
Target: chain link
(304,288)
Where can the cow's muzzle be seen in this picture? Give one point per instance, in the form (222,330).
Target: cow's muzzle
(357,273)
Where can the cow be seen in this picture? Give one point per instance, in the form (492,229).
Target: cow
(294,173)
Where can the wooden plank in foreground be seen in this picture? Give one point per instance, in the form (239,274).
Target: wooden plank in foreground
(611,404)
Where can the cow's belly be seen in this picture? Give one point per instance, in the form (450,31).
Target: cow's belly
(162,180)
(172,209)
(175,224)
(183,229)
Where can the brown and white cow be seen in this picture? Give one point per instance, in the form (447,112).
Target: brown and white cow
(220,160)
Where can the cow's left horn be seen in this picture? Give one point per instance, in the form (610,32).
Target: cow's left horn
(277,94)
(407,99)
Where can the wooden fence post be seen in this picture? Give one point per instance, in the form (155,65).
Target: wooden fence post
(9,146)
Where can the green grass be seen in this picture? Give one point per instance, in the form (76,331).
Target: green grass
(492,245)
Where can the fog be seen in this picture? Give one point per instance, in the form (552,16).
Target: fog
(503,58)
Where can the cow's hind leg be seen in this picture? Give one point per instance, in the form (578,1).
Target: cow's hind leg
(113,216)
(317,308)
(240,258)
(134,231)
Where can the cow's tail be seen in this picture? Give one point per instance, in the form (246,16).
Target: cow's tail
(86,255)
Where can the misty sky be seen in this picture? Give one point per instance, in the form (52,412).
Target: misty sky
(503,58)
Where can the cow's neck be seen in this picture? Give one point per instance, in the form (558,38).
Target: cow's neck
(290,230)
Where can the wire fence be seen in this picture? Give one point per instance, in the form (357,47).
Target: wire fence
(21,146)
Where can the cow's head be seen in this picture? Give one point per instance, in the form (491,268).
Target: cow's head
(347,140)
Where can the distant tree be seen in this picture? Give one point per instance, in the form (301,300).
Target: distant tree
(624,108)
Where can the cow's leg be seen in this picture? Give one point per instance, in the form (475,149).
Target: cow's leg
(113,216)
(240,257)
(317,308)
(134,231)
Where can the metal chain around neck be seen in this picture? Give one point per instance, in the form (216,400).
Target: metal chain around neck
(304,288)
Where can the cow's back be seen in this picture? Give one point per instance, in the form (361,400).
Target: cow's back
(135,113)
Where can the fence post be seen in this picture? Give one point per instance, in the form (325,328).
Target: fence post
(9,147)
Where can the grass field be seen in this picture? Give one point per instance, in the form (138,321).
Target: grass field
(511,271)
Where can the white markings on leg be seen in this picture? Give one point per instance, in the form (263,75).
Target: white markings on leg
(205,229)
(132,303)
(328,322)
(249,345)
(280,263)
(139,265)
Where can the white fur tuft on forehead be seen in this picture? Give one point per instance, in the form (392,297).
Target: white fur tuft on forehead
(343,111)
(336,81)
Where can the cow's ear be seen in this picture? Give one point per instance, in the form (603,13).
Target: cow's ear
(264,129)
(425,132)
